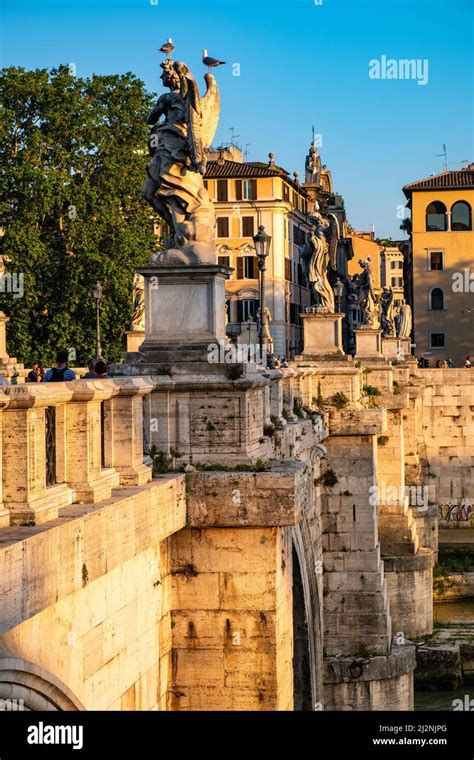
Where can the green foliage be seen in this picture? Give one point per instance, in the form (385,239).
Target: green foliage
(328,478)
(370,390)
(285,413)
(298,407)
(339,400)
(73,160)
(162,462)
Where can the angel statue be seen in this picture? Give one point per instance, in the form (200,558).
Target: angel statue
(404,320)
(318,255)
(183,126)
(388,313)
(368,299)
(263,328)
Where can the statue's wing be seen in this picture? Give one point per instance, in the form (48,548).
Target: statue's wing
(192,100)
(333,240)
(210,107)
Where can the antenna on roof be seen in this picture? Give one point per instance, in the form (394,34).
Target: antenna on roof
(445,157)
(233,137)
(246,153)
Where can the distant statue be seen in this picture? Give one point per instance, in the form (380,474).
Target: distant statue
(404,320)
(263,328)
(368,299)
(183,126)
(318,255)
(388,313)
(138,319)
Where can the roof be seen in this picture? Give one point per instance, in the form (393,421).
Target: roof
(445,181)
(248,169)
(244,169)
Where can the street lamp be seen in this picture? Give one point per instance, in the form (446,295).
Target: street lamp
(97,293)
(262,247)
(338,288)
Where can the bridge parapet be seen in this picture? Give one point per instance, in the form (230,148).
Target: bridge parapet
(69,442)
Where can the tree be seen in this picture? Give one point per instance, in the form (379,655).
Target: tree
(73,155)
(406,225)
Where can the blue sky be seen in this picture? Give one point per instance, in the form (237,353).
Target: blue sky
(301,63)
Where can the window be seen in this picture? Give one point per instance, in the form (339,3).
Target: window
(436,219)
(287,269)
(299,236)
(396,264)
(248,227)
(397,282)
(222,194)
(247,308)
(286,192)
(247,268)
(246,189)
(436,260)
(223,261)
(295,314)
(300,275)
(436,299)
(461,218)
(222,226)
(437,340)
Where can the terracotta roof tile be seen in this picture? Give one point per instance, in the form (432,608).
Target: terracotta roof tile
(247,169)
(446,181)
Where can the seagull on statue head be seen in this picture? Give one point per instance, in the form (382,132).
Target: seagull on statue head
(168,47)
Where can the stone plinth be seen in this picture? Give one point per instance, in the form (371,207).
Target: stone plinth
(368,343)
(322,334)
(391,347)
(134,340)
(184,307)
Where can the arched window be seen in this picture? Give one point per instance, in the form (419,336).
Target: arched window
(437,299)
(436,220)
(461,217)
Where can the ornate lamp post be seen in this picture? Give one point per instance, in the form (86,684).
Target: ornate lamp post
(262,247)
(338,288)
(97,293)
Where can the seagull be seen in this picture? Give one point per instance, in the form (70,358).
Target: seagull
(210,62)
(168,47)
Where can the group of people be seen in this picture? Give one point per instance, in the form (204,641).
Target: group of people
(97,369)
(443,364)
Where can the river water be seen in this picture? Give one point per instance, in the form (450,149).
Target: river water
(459,611)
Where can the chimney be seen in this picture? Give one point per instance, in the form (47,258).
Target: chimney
(271,162)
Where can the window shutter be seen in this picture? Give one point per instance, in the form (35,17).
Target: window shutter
(240,272)
(238,189)
(255,267)
(247,226)
(253,189)
(240,309)
(222,194)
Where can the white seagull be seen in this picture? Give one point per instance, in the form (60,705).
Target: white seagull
(210,62)
(168,47)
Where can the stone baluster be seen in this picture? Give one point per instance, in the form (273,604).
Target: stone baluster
(127,430)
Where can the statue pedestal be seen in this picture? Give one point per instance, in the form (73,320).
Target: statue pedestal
(134,339)
(391,348)
(322,334)
(405,347)
(368,343)
(184,308)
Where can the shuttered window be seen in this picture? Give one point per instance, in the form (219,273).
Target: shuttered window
(248,228)
(223,226)
(222,194)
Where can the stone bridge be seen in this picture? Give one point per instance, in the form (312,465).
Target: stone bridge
(278,564)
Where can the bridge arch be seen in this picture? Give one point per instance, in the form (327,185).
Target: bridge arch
(37,689)
(307,632)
